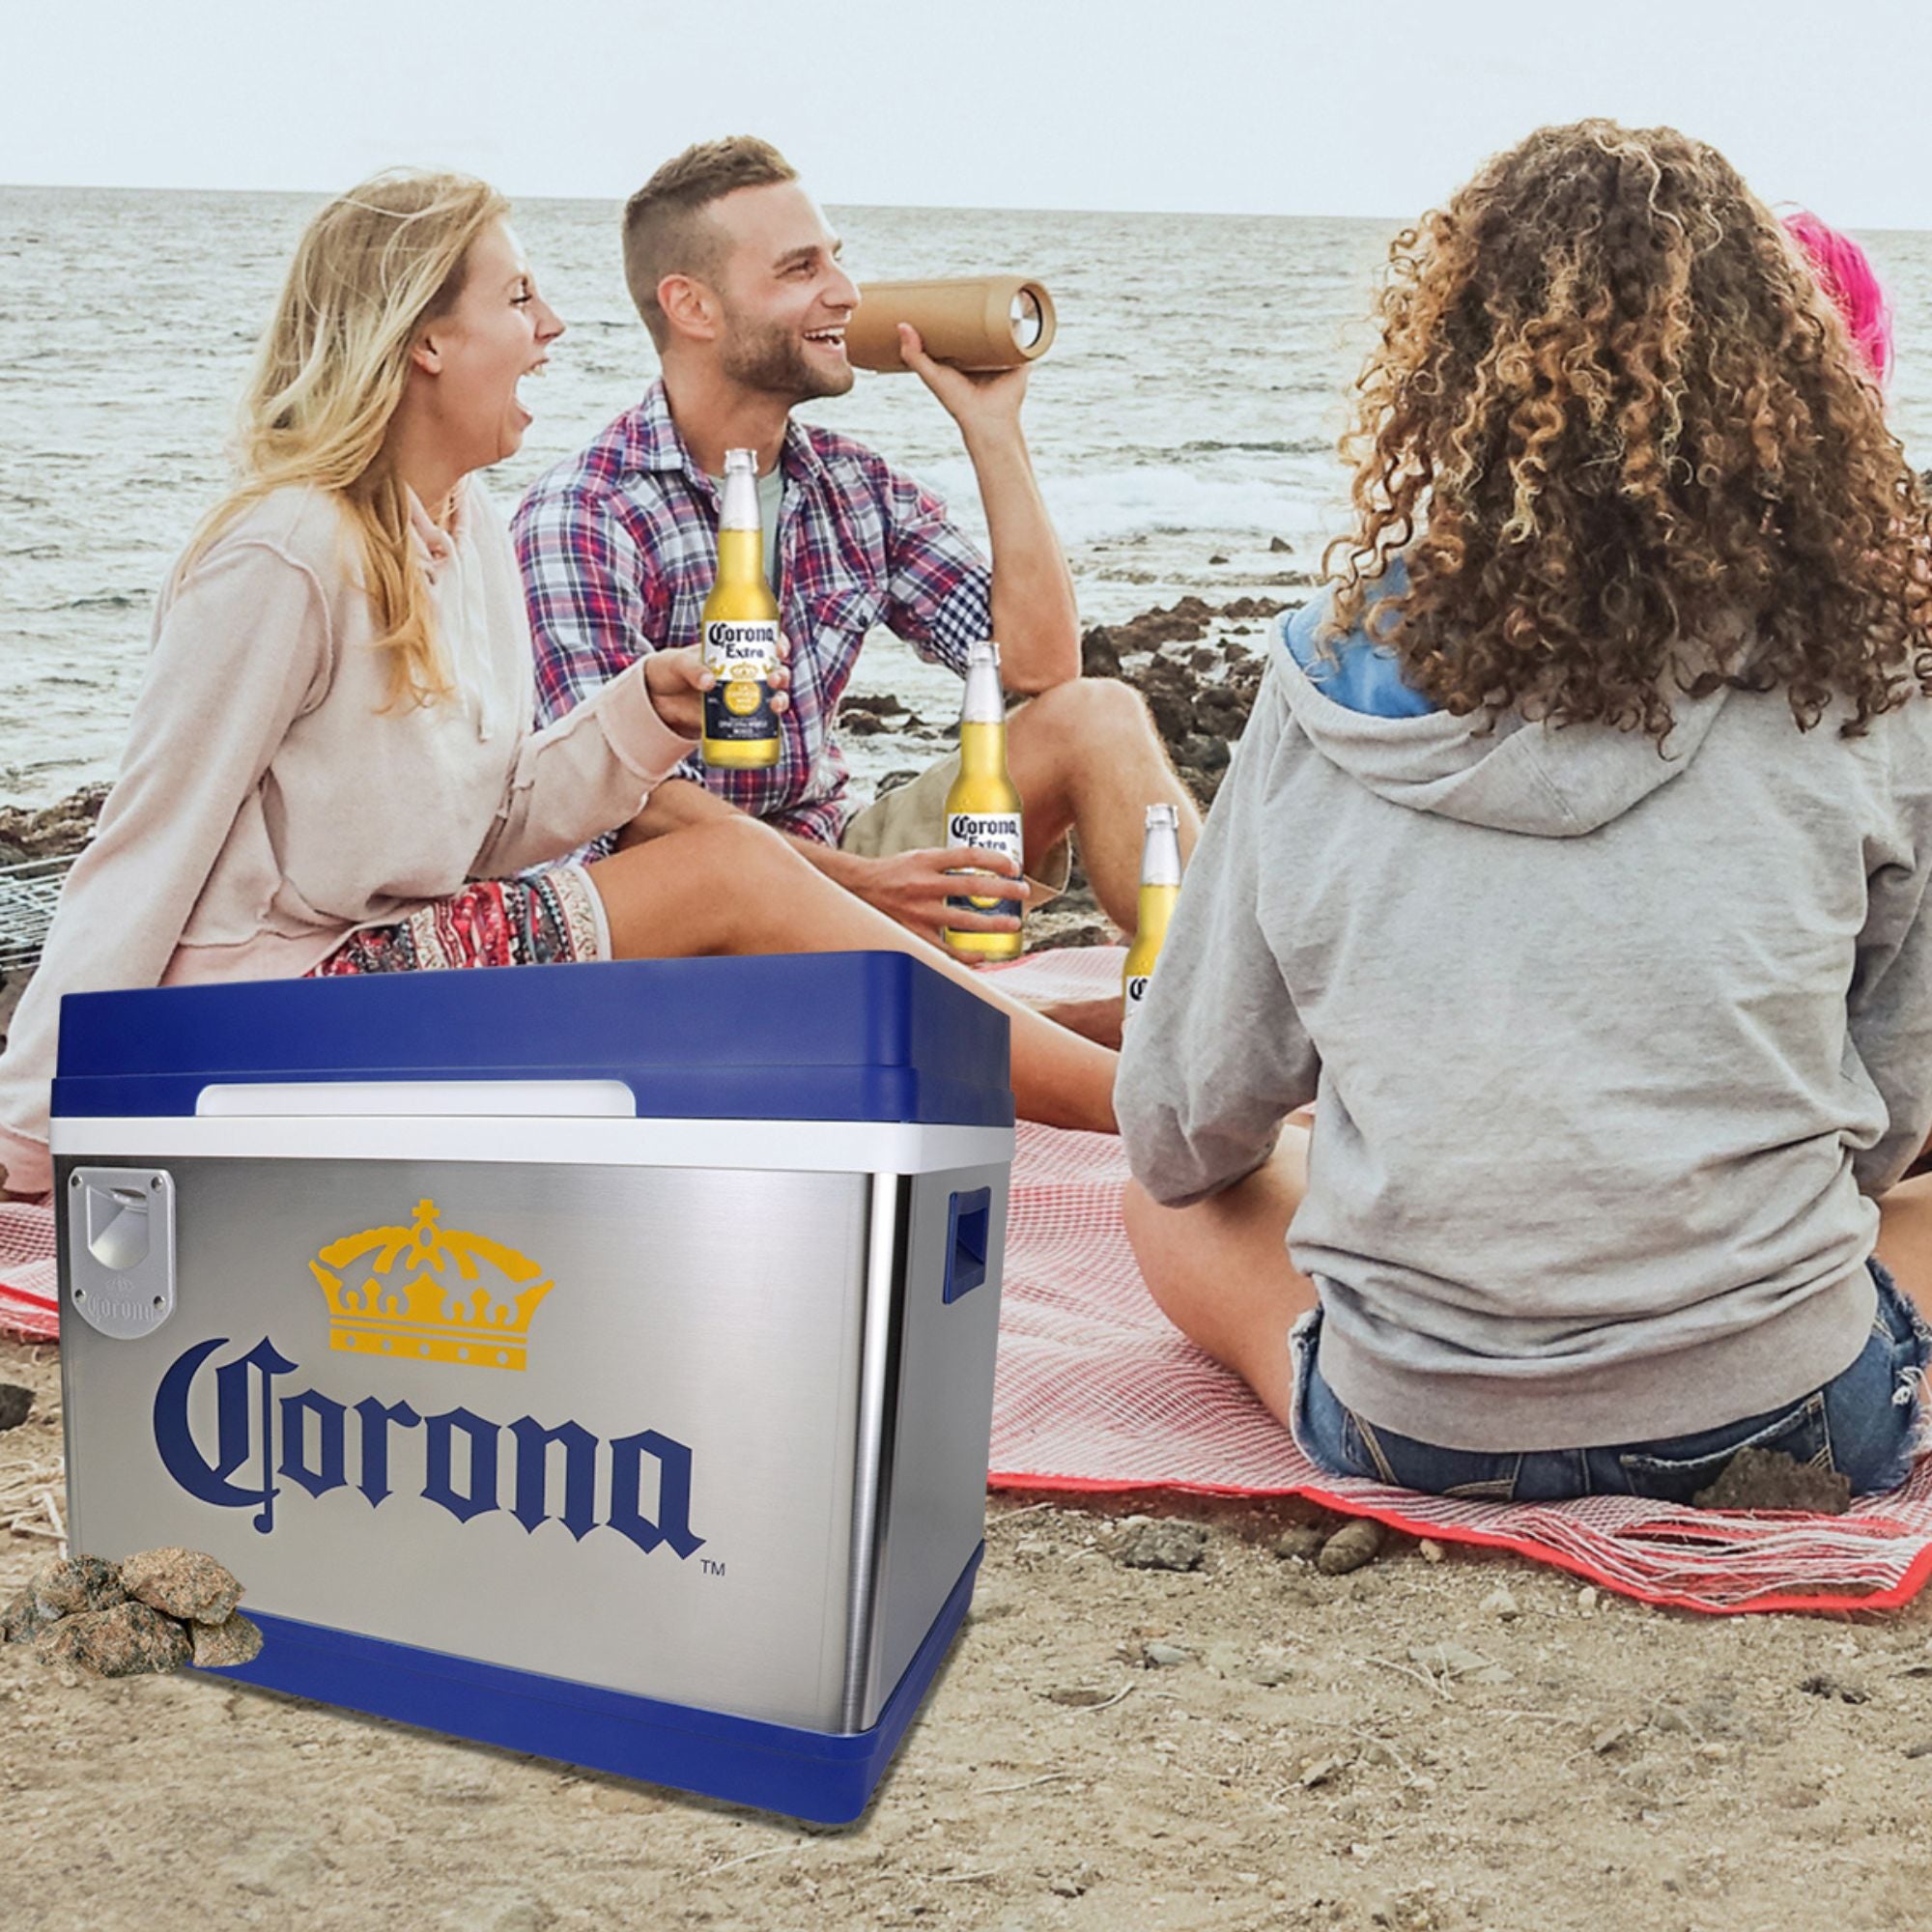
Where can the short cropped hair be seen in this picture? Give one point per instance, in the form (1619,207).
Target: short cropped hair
(665,232)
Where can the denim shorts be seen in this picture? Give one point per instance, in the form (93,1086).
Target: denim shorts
(1862,1423)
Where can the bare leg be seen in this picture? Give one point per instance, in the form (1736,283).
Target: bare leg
(1087,759)
(1905,1238)
(1220,1269)
(731,885)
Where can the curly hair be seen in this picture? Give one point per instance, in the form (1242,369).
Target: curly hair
(1625,448)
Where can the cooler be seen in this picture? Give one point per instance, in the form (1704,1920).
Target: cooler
(594,1361)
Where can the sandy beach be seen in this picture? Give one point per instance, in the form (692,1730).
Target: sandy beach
(1440,1740)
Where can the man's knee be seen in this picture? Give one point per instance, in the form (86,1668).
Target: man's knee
(1090,716)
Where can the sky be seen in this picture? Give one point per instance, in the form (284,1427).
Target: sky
(1248,106)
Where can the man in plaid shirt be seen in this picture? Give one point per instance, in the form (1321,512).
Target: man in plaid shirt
(738,280)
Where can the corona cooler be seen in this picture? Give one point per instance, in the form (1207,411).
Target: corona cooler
(549,1377)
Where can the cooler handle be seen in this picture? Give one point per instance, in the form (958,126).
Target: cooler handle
(969,1221)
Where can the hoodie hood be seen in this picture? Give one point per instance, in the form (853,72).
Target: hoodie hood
(1550,782)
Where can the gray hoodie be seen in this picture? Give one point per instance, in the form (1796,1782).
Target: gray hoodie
(1610,1050)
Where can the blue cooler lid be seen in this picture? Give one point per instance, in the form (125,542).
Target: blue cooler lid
(799,1037)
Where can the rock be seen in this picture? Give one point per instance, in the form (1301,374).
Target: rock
(1217,557)
(1500,1603)
(1458,1660)
(1280,546)
(1165,1656)
(1431,1551)
(67,1585)
(893,780)
(16,1404)
(1586,1599)
(129,1640)
(1922,1749)
(23,1619)
(1841,1689)
(1078,1697)
(1161,1543)
(1198,752)
(1303,1543)
(235,1639)
(1351,1546)
(1767,1479)
(55,830)
(1097,656)
(183,1582)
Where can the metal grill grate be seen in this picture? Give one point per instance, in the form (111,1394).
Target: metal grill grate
(28,894)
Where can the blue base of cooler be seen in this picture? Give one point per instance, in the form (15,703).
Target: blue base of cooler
(828,1777)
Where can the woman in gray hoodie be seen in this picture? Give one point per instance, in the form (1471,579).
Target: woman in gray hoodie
(1573,865)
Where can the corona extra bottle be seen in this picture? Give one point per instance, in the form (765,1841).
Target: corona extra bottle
(1161,886)
(740,631)
(982,807)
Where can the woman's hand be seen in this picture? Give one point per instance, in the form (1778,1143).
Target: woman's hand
(677,681)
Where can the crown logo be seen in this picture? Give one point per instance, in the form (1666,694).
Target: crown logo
(425,1312)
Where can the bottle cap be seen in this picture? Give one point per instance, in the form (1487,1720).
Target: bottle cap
(1168,815)
(741,459)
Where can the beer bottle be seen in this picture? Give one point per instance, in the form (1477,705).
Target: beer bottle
(1161,886)
(740,631)
(982,807)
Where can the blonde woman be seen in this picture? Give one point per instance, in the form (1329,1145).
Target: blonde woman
(330,767)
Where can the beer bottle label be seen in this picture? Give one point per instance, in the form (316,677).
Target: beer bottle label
(1137,991)
(990,832)
(741,653)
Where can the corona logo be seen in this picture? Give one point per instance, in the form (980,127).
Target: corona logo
(426,1310)
(265,1441)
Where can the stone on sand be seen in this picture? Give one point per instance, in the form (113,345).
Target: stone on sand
(129,1640)
(183,1583)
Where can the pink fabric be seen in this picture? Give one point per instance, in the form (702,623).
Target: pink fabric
(1096,1392)
(29,1304)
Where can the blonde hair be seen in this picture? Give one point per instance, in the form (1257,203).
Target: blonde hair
(374,267)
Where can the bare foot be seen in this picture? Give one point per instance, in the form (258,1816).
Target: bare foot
(1098,1021)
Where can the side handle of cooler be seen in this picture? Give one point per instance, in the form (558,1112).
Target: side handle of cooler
(968,1219)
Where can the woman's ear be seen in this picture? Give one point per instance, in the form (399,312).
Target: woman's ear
(426,352)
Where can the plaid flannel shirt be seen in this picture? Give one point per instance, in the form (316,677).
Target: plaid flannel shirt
(618,546)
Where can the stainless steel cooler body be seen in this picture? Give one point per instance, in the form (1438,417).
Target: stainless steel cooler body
(733,1457)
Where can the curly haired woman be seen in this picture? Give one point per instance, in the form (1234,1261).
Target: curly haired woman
(1574,862)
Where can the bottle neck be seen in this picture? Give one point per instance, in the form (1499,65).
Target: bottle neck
(1161,856)
(985,702)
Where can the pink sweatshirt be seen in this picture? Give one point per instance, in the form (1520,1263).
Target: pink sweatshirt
(267,805)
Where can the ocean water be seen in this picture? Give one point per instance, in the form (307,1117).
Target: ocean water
(1188,409)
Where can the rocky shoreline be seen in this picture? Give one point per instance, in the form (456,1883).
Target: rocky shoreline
(1198,665)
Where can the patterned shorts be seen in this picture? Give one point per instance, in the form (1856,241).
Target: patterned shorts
(546,920)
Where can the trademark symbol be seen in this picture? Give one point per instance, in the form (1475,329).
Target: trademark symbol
(712,1569)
